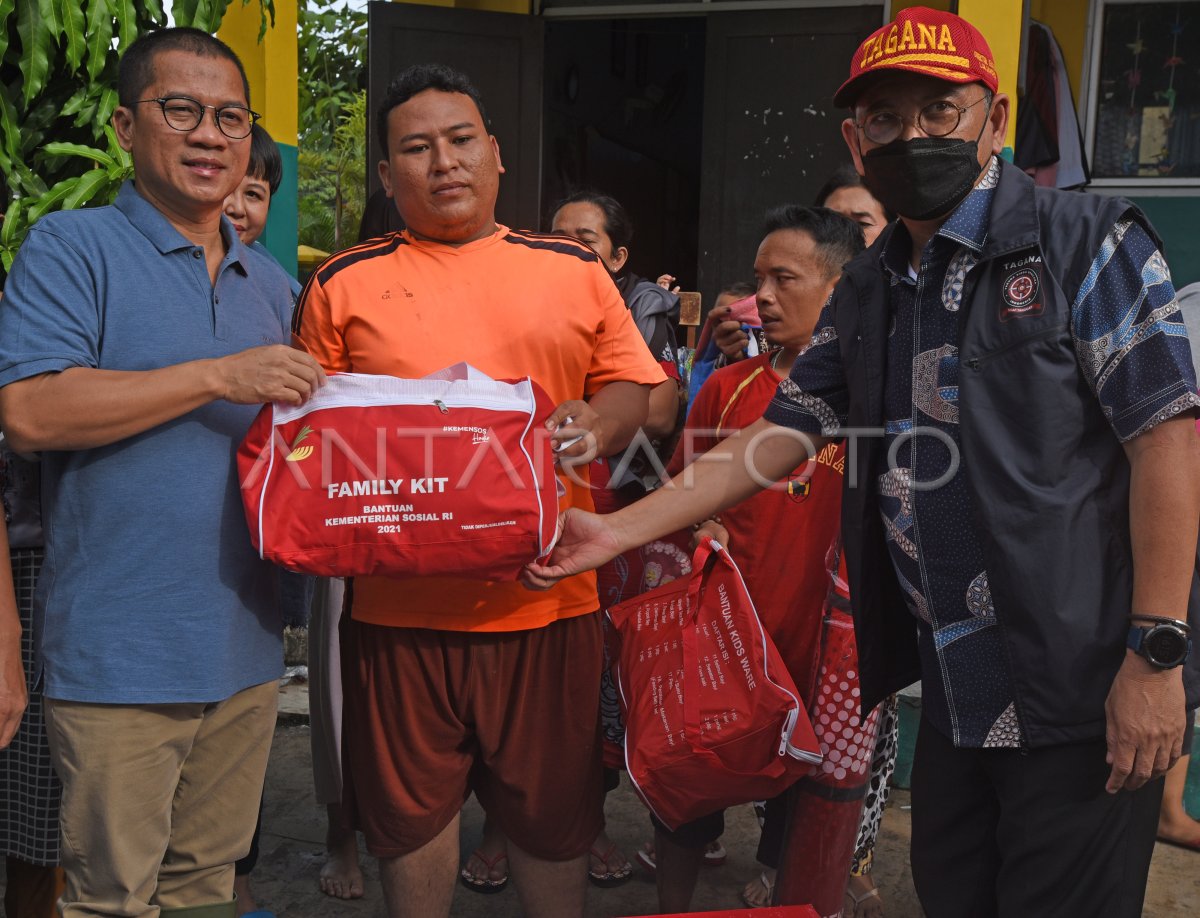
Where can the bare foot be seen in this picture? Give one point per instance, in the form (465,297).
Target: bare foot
(761,890)
(341,877)
(1178,828)
(863,898)
(245,898)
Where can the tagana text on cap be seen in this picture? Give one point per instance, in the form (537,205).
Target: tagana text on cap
(921,40)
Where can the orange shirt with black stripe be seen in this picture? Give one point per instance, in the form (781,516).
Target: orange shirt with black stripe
(512,304)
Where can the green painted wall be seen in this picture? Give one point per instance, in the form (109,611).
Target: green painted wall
(280,235)
(1176,219)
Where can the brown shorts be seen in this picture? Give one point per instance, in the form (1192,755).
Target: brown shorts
(430,716)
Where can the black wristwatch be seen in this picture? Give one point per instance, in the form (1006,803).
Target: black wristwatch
(1166,644)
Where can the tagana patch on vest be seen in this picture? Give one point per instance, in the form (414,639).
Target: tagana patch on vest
(1021,289)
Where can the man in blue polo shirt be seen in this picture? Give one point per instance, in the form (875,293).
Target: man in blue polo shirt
(136,343)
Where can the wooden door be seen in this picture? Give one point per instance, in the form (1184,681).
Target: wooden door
(771,132)
(502,55)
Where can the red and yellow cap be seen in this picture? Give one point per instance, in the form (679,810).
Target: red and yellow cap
(925,41)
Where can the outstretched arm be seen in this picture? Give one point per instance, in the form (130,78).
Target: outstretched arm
(739,466)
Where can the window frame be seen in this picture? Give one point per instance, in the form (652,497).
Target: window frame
(599,9)
(1152,186)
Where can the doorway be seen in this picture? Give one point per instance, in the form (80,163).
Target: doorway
(623,113)
(697,123)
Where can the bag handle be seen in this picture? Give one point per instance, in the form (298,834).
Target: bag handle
(706,557)
(704,562)
(703,558)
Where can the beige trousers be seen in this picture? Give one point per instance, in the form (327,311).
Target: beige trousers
(158,800)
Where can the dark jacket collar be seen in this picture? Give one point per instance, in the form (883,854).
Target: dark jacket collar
(1014,222)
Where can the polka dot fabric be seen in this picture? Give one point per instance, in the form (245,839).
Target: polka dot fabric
(847,743)
(847,740)
(827,803)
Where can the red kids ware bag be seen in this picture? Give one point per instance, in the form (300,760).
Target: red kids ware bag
(447,475)
(712,717)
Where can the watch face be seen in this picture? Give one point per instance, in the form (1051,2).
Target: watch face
(1166,646)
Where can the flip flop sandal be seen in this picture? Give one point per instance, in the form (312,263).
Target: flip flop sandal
(714,854)
(859,900)
(485,886)
(768,886)
(609,878)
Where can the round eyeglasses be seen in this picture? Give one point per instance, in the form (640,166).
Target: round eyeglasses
(937,119)
(184,113)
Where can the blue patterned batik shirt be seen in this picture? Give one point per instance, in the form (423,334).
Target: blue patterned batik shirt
(1131,347)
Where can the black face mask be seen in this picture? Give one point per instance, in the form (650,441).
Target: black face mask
(923,178)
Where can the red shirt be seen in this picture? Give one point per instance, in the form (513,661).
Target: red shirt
(778,539)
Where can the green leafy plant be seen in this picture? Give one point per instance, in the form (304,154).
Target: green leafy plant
(58,77)
(333,182)
(332,120)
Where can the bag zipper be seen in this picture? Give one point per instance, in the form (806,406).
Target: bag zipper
(789,726)
(510,403)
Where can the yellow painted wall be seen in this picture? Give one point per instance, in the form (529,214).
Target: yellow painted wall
(270,66)
(1068,19)
(1000,23)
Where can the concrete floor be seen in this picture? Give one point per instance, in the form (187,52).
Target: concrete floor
(293,832)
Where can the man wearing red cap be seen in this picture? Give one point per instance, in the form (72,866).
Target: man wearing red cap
(1022,492)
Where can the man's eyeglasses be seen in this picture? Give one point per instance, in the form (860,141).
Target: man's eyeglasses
(184,113)
(937,119)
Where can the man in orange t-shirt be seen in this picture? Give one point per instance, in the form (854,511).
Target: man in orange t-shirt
(455,685)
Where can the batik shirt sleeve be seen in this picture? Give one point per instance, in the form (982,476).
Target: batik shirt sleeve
(814,398)
(1129,335)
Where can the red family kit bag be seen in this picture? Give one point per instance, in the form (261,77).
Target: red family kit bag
(712,717)
(451,474)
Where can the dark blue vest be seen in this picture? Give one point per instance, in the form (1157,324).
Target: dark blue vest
(1049,480)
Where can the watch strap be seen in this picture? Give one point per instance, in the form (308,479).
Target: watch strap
(1136,641)
(1137,634)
